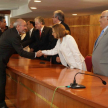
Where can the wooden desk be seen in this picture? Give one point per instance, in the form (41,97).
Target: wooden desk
(31,84)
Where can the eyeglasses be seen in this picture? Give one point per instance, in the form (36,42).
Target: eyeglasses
(102,17)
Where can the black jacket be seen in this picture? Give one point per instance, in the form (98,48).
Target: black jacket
(10,42)
(44,41)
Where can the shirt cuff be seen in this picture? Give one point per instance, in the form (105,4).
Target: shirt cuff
(35,54)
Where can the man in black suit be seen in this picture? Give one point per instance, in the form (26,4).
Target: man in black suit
(10,41)
(58,18)
(43,36)
(2,24)
(31,31)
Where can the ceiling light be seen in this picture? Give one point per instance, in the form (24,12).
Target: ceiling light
(37,1)
(74,14)
(33,7)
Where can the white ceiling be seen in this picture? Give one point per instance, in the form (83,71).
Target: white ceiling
(21,8)
(11,4)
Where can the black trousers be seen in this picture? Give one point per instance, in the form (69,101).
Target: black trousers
(2,83)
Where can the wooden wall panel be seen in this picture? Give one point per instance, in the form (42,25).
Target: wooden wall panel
(77,20)
(81,35)
(94,31)
(48,21)
(5,12)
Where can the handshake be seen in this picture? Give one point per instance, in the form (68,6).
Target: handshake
(39,53)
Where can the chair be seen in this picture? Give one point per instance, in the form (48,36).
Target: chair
(88,61)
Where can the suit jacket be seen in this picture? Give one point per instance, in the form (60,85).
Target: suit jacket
(10,41)
(68,52)
(0,33)
(28,38)
(42,42)
(66,26)
(100,55)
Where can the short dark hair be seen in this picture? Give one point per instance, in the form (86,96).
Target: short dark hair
(32,22)
(1,18)
(59,14)
(41,19)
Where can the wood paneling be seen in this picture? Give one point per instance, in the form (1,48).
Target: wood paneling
(94,31)
(5,12)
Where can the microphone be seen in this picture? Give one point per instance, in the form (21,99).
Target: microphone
(74,85)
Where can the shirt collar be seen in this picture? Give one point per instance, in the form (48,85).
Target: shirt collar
(42,29)
(31,30)
(59,22)
(105,28)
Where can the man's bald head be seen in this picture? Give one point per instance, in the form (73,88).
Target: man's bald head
(105,12)
(20,25)
(18,22)
(104,19)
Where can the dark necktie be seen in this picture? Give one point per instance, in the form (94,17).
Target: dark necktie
(40,33)
(30,33)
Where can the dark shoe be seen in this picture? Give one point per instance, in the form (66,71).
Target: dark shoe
(3,105)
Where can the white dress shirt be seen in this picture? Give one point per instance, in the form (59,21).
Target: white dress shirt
(68,52)
(31,31)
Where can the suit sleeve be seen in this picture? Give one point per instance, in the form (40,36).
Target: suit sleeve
(52,40)
(53,51)
(16,43)
(40,42)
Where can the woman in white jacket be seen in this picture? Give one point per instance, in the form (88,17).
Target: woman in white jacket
(66,48)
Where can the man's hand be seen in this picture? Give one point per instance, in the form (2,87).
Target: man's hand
(31,50)
(39,53)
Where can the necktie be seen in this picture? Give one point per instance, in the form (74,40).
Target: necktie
(40,33)
(99,37)
(30,33)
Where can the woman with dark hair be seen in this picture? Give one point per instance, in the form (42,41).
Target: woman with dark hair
(67,49)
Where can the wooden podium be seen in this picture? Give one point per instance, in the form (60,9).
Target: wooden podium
(31,83)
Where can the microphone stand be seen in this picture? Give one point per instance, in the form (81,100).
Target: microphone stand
(74,85)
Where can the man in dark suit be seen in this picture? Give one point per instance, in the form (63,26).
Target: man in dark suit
(2,24)
(10,41)
(58,18)
(31,31)
(43,36)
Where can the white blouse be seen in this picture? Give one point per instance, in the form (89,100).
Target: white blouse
(68,52)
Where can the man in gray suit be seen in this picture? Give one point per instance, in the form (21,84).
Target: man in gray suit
(100,51)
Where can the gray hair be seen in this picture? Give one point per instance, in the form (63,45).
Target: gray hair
(40,19)
(59,14)
(18,22)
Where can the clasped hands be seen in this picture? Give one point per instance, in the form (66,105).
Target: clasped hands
(39,53)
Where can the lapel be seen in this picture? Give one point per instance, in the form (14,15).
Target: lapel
(100,39)
(31,33)
(42,34)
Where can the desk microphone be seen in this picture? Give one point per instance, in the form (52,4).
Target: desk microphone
(74,85)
